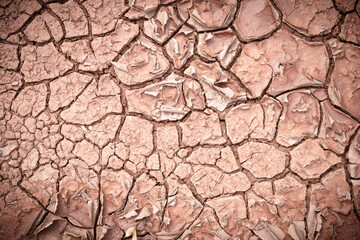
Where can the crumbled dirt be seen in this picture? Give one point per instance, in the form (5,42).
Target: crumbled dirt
(180,119)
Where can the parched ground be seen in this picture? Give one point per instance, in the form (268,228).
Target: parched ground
(163,119)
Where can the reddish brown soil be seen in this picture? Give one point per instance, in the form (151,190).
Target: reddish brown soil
(188,119)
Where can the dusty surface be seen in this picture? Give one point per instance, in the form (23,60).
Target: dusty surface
(165,119)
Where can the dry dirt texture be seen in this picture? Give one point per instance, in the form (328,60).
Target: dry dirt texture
(188,119)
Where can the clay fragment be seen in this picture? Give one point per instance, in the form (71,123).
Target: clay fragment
(181,47)
(31,100)
(104,14)
(202,127)
(262,160)
(97,54)
(143,62)
(345,80)
(166,100)
(256,19)
(8,57)
(309,160)
(73,18)
(220,89)
(308,17)
(207,15)
(349,30)
(163,25)
(98,99)
(15,14)
(336,128)
(210,182)
(78,194)
(142,8)
(209,47)
(253,120)
(43,62)
(230,211)
(206,226)
(284,58)
(300,117)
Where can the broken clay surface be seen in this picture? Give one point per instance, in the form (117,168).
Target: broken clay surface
(189,119)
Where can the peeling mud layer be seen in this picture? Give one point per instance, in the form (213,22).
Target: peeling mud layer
(188,119)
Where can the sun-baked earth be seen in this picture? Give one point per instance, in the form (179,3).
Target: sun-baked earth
(188,119)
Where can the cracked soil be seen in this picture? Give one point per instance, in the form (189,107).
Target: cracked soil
(187,119)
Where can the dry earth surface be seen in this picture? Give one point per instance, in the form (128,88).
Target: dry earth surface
(164,119)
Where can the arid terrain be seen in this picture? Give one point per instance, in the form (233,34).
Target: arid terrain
(188,119)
